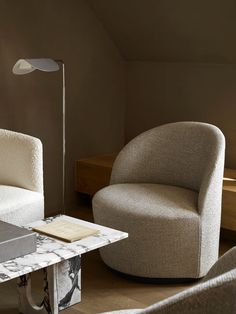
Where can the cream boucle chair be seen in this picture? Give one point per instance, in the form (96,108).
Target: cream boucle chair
(216,294)
(165,191)
(21,178)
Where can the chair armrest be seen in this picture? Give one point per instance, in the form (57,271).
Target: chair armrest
(209,207)
(213,296)
(224,264)
(21,161)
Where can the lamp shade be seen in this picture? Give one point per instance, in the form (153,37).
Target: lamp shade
(24,66)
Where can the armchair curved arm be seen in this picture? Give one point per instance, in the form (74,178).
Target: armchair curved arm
(211,186)
(225,263)
(209,204)
(21,161)
(214,296)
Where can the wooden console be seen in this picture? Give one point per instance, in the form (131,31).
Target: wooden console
(93,173)
(228,220)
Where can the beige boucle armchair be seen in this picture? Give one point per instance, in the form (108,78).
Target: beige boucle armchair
(21,178)
(165,191)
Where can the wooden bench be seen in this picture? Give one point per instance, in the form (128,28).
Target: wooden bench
(228,220)
(93,173)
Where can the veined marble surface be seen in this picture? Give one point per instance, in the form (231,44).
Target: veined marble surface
(51,251)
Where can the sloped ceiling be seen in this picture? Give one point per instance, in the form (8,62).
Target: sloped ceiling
(171,30)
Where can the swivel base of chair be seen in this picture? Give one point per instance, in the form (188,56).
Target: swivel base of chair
(163,281)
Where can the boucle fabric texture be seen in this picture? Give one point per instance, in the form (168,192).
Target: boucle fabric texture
(225,263)
(216,294)
(165,191)
(21,178)
(165,215)
(20,206)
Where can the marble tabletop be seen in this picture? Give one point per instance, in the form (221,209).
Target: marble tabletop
(51,251)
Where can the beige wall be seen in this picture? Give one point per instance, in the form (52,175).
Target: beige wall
(180,65)
(159,93)
(171,31)
(181,61)
(95,99)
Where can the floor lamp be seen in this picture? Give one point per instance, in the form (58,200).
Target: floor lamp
(25,66)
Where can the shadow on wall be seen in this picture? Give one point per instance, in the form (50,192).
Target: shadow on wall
(32,103)
(160,93)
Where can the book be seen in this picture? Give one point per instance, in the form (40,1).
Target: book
(65,230)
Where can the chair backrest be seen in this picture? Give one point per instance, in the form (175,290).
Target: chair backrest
(216,293)
(21,161)
(177,154)
(215,296)
(224,264)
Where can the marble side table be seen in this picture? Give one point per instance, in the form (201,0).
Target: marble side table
(61,264)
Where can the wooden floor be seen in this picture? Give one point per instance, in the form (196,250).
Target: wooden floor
(102,290)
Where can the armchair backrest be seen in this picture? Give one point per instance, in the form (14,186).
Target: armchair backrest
(225,263)
(21,161)
(215,294)
(177,154)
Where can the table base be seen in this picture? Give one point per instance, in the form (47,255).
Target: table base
(62,288)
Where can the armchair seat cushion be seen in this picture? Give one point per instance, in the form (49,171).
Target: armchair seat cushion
(149,200)
(151,213)
(20,206)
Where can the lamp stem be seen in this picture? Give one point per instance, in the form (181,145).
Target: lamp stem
(64,137)
(63,211)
